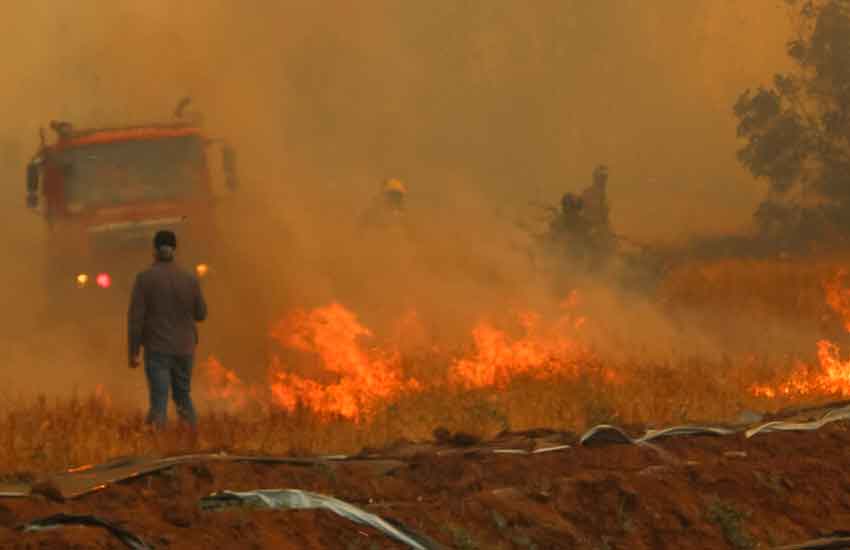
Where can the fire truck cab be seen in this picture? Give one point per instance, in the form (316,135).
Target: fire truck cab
(104,192)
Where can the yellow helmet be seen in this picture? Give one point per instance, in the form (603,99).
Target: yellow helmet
(394,185)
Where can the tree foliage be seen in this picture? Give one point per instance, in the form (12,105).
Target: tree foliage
(796,131)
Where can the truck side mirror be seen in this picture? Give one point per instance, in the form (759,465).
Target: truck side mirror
(228,164)
(32,185)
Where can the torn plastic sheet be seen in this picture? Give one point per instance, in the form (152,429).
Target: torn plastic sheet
(607,434)
(293,499)
(80,481)
(831,415)
(534,452)
(15,490)
(62,520)
(836,541)
(83,480)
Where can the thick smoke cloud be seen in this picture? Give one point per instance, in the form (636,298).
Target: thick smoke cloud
(481,107)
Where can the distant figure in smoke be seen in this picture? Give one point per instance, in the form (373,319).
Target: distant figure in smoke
(569,230)
(581,229)
(165,305)
(597,214)
(389,209)
(595,199)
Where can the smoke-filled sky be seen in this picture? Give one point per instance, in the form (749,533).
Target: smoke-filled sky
(516,101)
(483,107)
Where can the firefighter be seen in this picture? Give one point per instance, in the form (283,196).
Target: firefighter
(389,207)
(568,231)
(581,229)
(595,199)
(394,193)
(596,212)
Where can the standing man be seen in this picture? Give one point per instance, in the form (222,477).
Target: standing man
(164,307)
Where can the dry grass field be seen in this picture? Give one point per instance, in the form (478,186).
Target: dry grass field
(352,393)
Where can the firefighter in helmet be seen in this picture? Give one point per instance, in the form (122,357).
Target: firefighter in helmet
(394,192)
(388,207)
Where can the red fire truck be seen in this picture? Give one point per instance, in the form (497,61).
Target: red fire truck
(104,192)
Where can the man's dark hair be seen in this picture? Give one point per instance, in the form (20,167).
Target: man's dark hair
(165,238)
(164,243)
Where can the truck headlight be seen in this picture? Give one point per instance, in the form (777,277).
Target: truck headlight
(82,280)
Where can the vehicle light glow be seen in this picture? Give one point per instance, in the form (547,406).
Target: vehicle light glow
(202,269)
(103,280)
(82,280)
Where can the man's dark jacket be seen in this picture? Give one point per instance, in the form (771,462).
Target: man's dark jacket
(164,307)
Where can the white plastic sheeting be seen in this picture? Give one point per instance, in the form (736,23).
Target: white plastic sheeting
(831,415)
(293,499)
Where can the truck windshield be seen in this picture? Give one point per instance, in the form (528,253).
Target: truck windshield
(131,171)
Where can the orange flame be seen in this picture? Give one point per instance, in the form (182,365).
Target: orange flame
(102,396)
(838,297)
(223,385)
(542,351)
(365,377)
(833,376)
(332,366)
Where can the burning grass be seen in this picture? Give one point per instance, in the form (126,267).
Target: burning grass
(52,434)
(336,387)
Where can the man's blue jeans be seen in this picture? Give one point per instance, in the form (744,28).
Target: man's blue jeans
(164,372)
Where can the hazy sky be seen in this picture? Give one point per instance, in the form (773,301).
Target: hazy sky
(483,107)
(514,100)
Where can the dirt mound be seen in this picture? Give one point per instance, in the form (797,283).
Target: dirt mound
(680,492)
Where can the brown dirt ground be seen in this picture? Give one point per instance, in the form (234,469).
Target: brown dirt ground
(704,492)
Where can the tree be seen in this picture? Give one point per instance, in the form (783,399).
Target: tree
(797,131)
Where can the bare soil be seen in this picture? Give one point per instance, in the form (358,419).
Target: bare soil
(686,493)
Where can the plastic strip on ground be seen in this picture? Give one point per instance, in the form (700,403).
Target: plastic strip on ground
(80,481)
(607,434)
(15,490)
(837,541)
(293,499)
(83,480)
(62,520)
(832,415)
(534,452)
